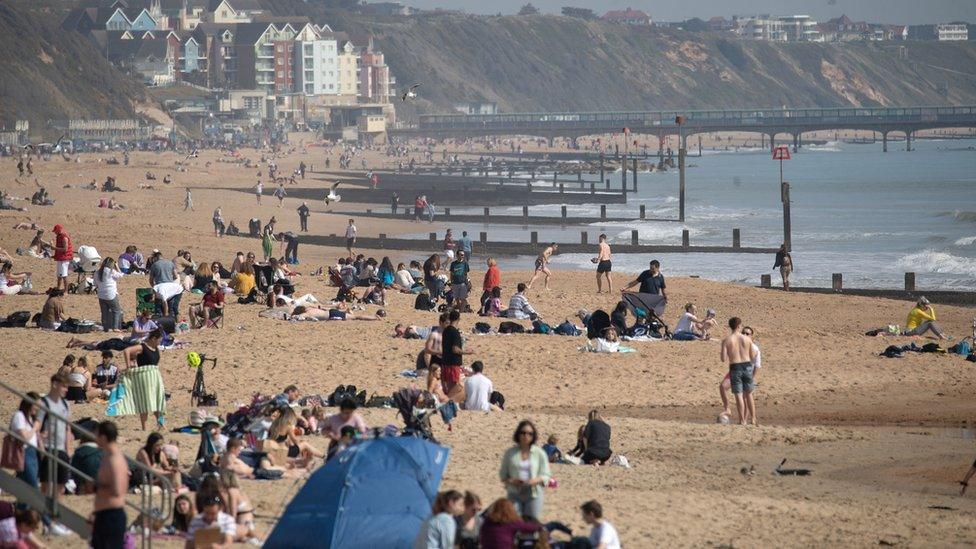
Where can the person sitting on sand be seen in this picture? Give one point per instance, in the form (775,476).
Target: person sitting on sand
(375,295)
(106,373)
(921,319)
(282,436)
(618,318)
(52,314)
(39,247)
(79,380)
(12,283)
(690,327)
(131,261)
(518,305)
(502,524)
(202,277)
(595,440)
(243,282)
(210,309)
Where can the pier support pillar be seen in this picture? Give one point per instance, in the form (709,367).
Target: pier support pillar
(884,141)
(909,282)
(908,141)
(634,172)
(796,141)
(681,183)
(623,174)
(772,141)
(602,168)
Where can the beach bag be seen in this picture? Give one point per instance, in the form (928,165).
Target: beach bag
(540,327)
(482,328)
(893,351)
(448,411)
(423,303)
(962,348)
(377,401)
(18,319)
(932,348)
(509,327)
(12,454)
(567,328)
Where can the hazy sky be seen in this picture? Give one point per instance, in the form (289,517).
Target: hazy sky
(876,11)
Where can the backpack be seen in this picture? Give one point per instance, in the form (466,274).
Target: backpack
(540,327)
(932,348)
(18,319)
(509,327)
(482,328)
(962,348)
(423,303)
(893,351)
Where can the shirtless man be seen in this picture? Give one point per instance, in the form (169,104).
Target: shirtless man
(542,265)
(108,518)
(603,266)
(737,349)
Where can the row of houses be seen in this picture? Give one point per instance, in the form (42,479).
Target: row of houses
(803,28)
(244,55)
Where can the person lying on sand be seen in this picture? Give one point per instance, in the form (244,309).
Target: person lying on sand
(412,332)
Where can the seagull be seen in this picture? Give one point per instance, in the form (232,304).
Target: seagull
(411,93)
(332,196)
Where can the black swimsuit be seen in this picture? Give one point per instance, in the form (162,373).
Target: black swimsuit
(147,356)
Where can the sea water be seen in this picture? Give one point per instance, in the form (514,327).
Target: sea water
(856,210)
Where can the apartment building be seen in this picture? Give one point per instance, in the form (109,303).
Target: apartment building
(951,32)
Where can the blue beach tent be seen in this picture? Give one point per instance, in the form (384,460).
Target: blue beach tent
(375,494)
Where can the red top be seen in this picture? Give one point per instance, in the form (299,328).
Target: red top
(493,277)
(212,300)
(502,536)
(63,240)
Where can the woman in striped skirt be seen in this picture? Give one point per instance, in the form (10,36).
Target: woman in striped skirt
(141,384)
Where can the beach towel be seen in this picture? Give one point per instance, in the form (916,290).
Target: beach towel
(139,391)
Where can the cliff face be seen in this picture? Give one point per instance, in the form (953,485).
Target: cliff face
(48,74)
(554,63)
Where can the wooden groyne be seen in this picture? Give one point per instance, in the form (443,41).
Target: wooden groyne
(489,218)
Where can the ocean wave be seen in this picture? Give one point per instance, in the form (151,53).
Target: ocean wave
(936,262)
(958,215)
(830,146)
(966,241)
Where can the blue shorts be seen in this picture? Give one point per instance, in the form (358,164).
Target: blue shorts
(740,377)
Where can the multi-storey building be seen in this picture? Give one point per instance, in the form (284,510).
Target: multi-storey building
(800,28)
(951,32)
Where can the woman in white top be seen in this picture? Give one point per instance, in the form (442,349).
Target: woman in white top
(24,423)
(11,283)
(403,280)
(107,289)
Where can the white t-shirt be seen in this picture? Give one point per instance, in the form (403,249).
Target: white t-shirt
(404,279)
(19,423)
(525,469)
(478,390)
(224,522)
(757,364)
(107,287)
(684,323)
(167,290)
(606,534)
(351,231)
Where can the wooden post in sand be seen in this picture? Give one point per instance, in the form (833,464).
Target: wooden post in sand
(487,214)
(382,239)
(643,211)
(483,237)
(447,212)
(533,237)
(765,281)
(603,211)
(685,238)
(735,238)
(909,282)
(562,211)
(525,213)
(561,190)
(633,237)
(592,188)
(583,237)
(433,237)
(837,282)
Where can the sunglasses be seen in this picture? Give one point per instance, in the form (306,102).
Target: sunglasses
(213,500)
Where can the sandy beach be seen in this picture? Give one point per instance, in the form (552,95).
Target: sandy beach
(887,439)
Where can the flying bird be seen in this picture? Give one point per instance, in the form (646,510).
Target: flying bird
(332,196)
(411,93)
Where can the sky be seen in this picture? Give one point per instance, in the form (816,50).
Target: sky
(874,11)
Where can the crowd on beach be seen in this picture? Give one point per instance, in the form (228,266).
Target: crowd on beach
(277,436)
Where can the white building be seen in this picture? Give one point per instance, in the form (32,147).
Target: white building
(800,28)
(760,27)
(317,66)
(951,32)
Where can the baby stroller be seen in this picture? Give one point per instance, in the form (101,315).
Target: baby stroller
(416,408)
(85,264)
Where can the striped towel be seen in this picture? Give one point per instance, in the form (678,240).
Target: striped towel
(139,391)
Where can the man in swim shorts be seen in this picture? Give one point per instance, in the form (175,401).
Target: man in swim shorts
(737,350)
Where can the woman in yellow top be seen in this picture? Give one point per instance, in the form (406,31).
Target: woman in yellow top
(243,280)
(921,319)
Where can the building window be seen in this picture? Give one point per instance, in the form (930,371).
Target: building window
(281,74)
(281,61)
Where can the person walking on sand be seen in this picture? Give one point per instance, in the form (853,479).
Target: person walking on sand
(785,264)
(111,484)
(542,265)
(737,350)
(218,222)
(188,201)
(350,236)
(303,212)
(394,203)
(258,191)
(280,194)
(603,266)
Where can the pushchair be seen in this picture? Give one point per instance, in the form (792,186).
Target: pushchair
(416,408)
(85,265)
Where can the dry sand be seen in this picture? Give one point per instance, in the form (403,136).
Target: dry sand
(826,400)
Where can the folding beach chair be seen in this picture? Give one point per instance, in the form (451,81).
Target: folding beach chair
(216,321)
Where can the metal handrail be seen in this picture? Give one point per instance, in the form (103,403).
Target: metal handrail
(150,476)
